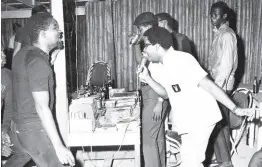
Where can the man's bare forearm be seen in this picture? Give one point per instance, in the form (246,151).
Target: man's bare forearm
(218,93)
(138,53)
(159,89)
(48,123)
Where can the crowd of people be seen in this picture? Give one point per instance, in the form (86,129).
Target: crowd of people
(171,78)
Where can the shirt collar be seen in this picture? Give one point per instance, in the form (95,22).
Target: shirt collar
(44,54)
(222,27)
(169,52)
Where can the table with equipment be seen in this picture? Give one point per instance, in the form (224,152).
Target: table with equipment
(110,122)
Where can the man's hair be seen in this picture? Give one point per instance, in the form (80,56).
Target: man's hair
(222,6)
(37,23)
(16,26)
(159,35)
(38,9)
(171,22)
(145,19)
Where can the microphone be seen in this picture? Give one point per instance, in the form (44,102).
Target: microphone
(135,39)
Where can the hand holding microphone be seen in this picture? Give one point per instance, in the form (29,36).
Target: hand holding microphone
(134,39)
(141,65)
(142,70)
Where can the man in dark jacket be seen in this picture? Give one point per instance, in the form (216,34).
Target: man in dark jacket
(181,41)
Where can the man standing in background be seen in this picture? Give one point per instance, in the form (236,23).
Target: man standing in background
(223,61)
(181,41)
(12,38)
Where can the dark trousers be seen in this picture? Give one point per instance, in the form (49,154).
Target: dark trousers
(256,160)
(31,141)
(222,146)
(153,133)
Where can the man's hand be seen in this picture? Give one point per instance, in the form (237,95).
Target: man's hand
(5,138)
(64,155)
(250,112)
(6,150)
(157,116)
(134,39)
(143,74)
(6,144)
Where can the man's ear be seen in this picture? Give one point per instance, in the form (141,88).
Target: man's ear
(157,46)
(42,33)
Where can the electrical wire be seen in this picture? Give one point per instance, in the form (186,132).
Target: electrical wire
(122,141)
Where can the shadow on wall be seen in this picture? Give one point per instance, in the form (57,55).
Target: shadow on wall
(240,48)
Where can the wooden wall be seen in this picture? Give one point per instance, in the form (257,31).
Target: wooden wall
(103,34)
(194,21)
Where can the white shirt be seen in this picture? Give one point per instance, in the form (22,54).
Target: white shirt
(156,71)
(193,107)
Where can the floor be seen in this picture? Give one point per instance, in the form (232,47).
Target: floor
(239,160)
(245,154)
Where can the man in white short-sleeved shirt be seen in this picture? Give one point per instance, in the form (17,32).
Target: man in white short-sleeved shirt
(193,105)
(191,93)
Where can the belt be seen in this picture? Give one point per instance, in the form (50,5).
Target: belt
(143,84)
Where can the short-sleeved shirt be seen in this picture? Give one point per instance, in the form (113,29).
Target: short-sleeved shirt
(22,36)
(193,107)
(181,43)
(32,72)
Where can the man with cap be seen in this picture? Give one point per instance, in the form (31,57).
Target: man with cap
(154,108)
(181,41)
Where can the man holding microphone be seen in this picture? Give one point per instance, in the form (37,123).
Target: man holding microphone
(154,107)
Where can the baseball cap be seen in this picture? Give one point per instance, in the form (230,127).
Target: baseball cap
(163,16)
(146,17)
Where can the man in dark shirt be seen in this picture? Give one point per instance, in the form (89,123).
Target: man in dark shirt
(181,41)
(22,35)
(34,133)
